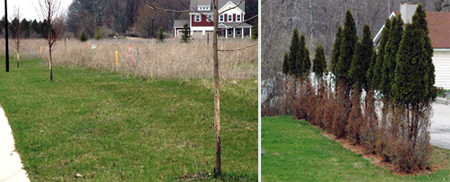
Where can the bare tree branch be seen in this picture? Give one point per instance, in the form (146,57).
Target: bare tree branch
(242,48)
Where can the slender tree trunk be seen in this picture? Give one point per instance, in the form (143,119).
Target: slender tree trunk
(218,166)
(50,63)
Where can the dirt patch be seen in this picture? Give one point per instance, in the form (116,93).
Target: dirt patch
(194,177)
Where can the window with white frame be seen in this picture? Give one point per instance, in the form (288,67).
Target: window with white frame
(230,31)
(238,31)
(238,18)
(204,8)
(197,18)
(209,18)
(230,18)
(220,18)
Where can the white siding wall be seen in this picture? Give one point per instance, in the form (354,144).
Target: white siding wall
(441,61)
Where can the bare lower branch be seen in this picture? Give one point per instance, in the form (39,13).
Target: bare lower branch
(165,10)
(238,49)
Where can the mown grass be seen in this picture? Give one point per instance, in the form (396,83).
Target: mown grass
(108,127)
(296,151)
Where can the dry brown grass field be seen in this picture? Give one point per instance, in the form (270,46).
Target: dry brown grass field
(168,60)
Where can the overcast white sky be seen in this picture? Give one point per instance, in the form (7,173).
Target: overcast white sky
(26,7)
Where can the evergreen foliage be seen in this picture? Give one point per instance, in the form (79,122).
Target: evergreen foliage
(420,15)
(361,60)
(336,50)
(255,30)
(294,53)
(369,74)
(410,81)
(161,35)
(306,64)
(320,63)
(83,37)
(349,39)
(376,80)
(98,34)
(390,56)
(301,66)
(185,37)
(286,64)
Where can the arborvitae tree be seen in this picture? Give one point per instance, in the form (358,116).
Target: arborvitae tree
(411,78)
(255,30)
(361,60)
(356,73)
(302,67)
(390,56)
(319,62)
(376,80)
(286,64)
(185,37)
(369,74)
(83,37)
(336,50)
(306,64)
(423,24)
(161,36)
(294,53)
(98,34)
(349,39)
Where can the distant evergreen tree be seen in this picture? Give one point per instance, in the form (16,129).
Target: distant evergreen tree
(98,34)
(36,27)
(319,62)
(303,65)
(376,80)
(361,60)
(255,30)
(185,37)
(286,64)
(349,39)
(25,27)
(83,37)
(336,50)
(306,64)
(161,35)
(390,56)
(294,53)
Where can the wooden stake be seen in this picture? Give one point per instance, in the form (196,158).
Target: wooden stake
(218,166)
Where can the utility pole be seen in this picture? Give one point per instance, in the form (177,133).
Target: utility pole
(6,39)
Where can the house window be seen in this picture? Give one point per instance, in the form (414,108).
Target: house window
(197,18)
(209,18)
(238,31)
(230,31)
(238,18)
(230,18)
(221,18)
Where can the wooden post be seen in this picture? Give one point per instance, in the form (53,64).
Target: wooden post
(218,166)
(207,38)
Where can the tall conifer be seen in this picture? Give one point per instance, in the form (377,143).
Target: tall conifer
(319,62)
(390,56)
(306,63)
(336,50)
(376,80)
(286,64)
(349,39)
(294,56)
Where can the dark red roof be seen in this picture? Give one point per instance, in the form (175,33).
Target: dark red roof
(439,26)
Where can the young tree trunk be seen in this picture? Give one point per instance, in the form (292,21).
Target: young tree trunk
(50,63)
(218,166)
(18,58)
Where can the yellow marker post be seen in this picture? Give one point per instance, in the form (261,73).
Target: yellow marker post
(41,50)
(117,59)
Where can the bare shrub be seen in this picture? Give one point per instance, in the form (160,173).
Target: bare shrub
(330,108)
(355,119)
(369,128)
(321,106)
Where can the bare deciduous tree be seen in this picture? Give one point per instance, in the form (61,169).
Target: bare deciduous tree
(16,33)
(218,165)
(50,12)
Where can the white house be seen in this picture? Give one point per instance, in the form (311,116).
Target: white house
(230,22)
(439,26)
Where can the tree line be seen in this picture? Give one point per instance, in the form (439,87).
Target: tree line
(28,28)
(380,99)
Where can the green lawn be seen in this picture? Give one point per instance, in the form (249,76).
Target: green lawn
(109,127)
(296,151)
